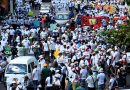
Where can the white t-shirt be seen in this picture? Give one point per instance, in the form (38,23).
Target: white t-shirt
(111,82)
(26,43)
(33,32)
(48,81)
(43,34)
(101,78)
(11,31)
(45,47)
(83,73)
(36,74)
(90,80)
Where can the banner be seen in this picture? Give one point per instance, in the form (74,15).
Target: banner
(96,21)
(85,20)
(62,4)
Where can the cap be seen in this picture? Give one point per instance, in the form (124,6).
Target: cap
(45,65)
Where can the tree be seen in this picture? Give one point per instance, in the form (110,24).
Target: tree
(120,37)
(128,2)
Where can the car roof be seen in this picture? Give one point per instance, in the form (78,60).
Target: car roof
(22,60)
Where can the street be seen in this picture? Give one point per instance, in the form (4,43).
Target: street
(75,43)
(2,87)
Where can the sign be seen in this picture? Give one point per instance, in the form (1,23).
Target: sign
(60,5)
(85,20)
(96,21)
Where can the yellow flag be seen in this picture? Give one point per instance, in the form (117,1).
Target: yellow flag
(56,53)
(92,21)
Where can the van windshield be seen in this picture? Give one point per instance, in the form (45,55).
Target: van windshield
(16,69)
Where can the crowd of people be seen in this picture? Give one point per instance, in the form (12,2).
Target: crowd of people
(85,61)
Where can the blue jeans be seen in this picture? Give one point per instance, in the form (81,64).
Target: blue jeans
(35,83)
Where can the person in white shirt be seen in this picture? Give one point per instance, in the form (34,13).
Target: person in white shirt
(4,42)
(91,81)
(83,72)
(35,76)
(33,32)
(20,49)
(46,48)
(41,61)
(49,82)
(101,78)
(113,83)
(43,34)
(26,44)
(52,48)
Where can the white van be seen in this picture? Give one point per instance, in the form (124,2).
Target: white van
(18,68)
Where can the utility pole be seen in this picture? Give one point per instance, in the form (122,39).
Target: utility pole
(11,6)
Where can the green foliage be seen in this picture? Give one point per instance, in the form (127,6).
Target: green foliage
(119,37)
(128,2)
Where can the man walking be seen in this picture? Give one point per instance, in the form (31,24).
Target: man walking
(35,77)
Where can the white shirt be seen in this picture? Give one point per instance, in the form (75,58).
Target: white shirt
(43,34)
(52,45)
(90,80)
(46,47)
(71,74)
(83,73)
(20,51)
(11,31)
(36,74)
(33,32)
(101,78)
(111,82)
(48,81)
(26,43)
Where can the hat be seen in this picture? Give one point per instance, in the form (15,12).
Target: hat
(45,65)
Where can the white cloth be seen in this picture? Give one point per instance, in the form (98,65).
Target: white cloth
(90,80)
(49,83)
(101,78)
(35,74)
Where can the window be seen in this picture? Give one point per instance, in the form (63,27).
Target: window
(16,69)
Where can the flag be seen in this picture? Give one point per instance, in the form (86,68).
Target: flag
(56,53)
(92,21)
